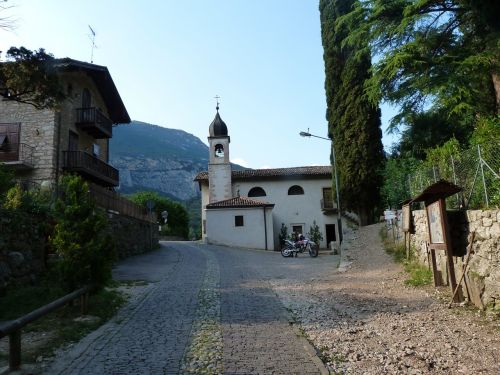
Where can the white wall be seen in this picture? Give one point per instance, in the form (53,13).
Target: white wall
(221,229)
(293,209)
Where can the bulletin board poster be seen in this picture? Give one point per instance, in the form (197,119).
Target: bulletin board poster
(435,222)
(406,218)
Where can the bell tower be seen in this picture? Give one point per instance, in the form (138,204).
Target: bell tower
(219,167)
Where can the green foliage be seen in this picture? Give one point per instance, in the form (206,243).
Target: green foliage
(353,122)
(428,130)
(31,77)
(283,234)
(178,220)
(80,237)
(395,188)
(486,132)
(435,53)
(6,182)
(315,233)
(441,155)
(418,274)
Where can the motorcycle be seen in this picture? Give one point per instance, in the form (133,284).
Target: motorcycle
(292,248)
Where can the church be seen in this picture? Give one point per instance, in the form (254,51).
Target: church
(247,208)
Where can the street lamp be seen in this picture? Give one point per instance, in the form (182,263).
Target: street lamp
(339,219)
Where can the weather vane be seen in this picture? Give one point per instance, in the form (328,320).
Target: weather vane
(217,97)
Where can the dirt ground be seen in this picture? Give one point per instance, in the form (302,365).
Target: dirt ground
(366,321)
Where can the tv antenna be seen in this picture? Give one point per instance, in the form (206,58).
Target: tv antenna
(92,39)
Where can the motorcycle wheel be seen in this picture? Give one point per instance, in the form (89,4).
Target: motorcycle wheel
(313,251)
(286,252)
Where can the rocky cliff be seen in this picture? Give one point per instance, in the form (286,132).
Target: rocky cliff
(151,157)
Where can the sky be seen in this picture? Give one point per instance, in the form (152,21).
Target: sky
(170,58)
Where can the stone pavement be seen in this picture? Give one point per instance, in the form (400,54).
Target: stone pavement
(209,310)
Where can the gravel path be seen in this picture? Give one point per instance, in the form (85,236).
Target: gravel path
(366,321)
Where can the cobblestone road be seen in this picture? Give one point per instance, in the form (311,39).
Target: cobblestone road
(208,310)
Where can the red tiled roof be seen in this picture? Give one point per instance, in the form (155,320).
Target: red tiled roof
(239,202)
(274,173)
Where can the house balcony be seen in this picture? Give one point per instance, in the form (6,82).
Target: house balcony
(92,121)
(91,168)
(17,156)
(328,207)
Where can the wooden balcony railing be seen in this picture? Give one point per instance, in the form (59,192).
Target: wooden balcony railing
(328,205)
(90,167)
(94,122)
(17,155)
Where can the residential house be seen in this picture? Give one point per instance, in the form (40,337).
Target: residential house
(39,145)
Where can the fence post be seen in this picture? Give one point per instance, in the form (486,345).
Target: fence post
(455,180)
(482,174)
(15,350)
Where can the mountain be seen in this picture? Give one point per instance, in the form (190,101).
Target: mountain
(155,158)
(151,157)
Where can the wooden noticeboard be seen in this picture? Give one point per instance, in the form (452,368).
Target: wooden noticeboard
(438,229)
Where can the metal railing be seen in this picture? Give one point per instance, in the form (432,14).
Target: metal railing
(81,161)
(90,117)
(13,328)
(113,201)
(17,152)
(476,170)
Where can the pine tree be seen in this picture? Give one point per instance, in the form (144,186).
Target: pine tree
(353,121)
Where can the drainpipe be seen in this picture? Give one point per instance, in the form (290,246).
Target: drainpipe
(265,226)
(58,148)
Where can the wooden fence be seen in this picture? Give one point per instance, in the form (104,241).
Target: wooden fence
(113,201)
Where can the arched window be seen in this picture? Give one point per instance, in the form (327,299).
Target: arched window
(219,150)
(257,192)
(295,190)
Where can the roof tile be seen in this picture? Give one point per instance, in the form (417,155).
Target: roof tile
(274,172)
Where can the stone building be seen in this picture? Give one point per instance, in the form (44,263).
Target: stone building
(247,208)
(39,145)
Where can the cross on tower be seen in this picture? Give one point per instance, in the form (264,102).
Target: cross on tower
(217,97)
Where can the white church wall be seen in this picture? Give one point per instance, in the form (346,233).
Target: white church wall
(204,201)
(293,209)
(221,228)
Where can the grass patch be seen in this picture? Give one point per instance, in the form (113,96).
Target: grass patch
(419,274)
(59,327)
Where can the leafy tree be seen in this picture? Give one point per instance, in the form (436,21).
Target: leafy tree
(439,53)
(80,238)
(353,122)
(396,188)
(178,219)
(31,77)
(427,130)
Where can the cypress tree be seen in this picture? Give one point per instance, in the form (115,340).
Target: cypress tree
(353,121)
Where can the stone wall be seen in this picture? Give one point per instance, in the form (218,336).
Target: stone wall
(38,130)
(133,236)
(23,244)
(22,247)
(483,273)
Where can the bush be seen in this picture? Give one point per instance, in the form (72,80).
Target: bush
(315,233)
(178,218)
(80,237)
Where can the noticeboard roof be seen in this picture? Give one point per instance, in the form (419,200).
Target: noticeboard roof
(441,189)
